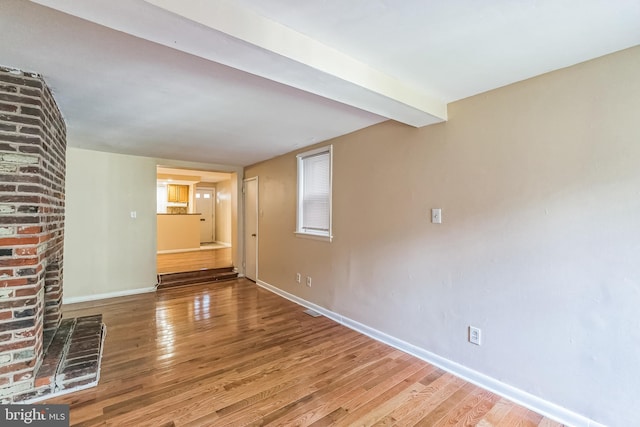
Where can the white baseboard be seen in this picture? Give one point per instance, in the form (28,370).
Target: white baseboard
(84,298)
(177,251)
(530,401)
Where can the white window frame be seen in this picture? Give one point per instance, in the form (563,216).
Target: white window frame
(300,231)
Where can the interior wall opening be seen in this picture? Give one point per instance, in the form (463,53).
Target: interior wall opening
(194,220)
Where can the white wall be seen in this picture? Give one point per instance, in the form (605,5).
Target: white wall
(106,251)
(539,185)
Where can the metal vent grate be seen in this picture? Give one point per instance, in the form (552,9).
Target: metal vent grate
(312,313)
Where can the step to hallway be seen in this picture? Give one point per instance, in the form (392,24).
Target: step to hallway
(205,275)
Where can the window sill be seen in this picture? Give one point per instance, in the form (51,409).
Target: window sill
(313,236)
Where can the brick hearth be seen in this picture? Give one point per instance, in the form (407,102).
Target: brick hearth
(32,182)
(72,361)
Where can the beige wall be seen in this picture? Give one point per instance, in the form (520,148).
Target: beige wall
(223,211)
(107,251)
(539,185)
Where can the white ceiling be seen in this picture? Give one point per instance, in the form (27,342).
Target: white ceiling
(236,82)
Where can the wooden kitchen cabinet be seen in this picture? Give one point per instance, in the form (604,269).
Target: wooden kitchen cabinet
(178,193)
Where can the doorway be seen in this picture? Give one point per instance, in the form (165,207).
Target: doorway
(251,228)
(208,210)
(205,207)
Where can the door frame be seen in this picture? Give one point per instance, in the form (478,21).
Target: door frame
(246,233)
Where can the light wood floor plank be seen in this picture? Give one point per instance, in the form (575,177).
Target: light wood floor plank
(546,422)
(497,413)
(421,394)
(362,403)
(476,414)
(194,260)
(446,406)
(231,353)
(464,408)
(438,392)
(518,417)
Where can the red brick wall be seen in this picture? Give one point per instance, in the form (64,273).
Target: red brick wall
(32,168)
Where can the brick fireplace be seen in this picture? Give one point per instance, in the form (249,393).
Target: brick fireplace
(32,182)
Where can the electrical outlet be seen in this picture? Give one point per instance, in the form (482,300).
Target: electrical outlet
(475,335)
(308,281)
(298,277)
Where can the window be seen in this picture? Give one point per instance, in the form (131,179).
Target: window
(314,193)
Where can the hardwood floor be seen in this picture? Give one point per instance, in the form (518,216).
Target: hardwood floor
(233,354)
(194,260)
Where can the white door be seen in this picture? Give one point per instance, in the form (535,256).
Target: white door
(205,207)
(251,228)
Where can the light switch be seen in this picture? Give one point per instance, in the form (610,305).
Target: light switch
(134,214)
(436,216)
